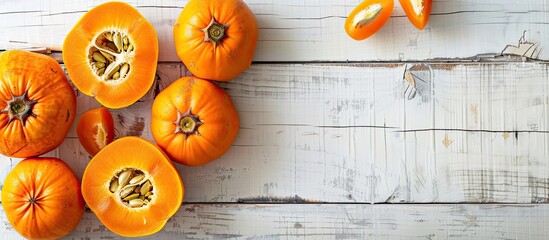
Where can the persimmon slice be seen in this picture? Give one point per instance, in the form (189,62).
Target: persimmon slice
(132,187)
(368,17)
(95,129)
(417,11)
(111,54)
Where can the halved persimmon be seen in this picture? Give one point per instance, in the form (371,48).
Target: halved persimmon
(132,187)
(111,54)
(417,11)
(95,129)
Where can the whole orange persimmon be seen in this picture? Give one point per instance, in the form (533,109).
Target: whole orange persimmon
(37,104)
(216,39)
(194,121)
(42,198)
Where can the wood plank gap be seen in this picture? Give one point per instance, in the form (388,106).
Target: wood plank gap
(488,58)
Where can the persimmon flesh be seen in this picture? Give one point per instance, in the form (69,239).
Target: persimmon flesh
(132,187)
(111,54)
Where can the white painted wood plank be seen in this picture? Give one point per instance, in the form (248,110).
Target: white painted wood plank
(336,221)
(353,133)
(312,30)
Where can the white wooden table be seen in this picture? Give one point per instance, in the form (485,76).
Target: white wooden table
(334,143)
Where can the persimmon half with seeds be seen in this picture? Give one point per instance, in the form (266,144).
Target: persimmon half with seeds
(194,121)
(111,54)
(132,187)
(37,104)
(42,199)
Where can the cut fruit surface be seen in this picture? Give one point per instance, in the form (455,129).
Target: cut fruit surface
(111,54)
(95,129)
(417,11)
(367,18)
(132,187)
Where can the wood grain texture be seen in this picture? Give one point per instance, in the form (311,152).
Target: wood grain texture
(404,117)
(336,221)
(312,30)
(368,133)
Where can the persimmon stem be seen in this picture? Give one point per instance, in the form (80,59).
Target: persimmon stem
(215,32)
(19,107)
(187,123)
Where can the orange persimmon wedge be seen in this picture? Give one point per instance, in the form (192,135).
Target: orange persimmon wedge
(417,11)
(95,129)
(132,187)
(368,17)
(111,54)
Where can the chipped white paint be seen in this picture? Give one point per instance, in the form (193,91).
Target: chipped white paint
(524,48)
(309,30)
(352,133)
(336,221)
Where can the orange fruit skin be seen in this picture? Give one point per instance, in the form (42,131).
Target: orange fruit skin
(42,199)
(42,78)
(214,108)
(227,59)
(421,20)
(95,128)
